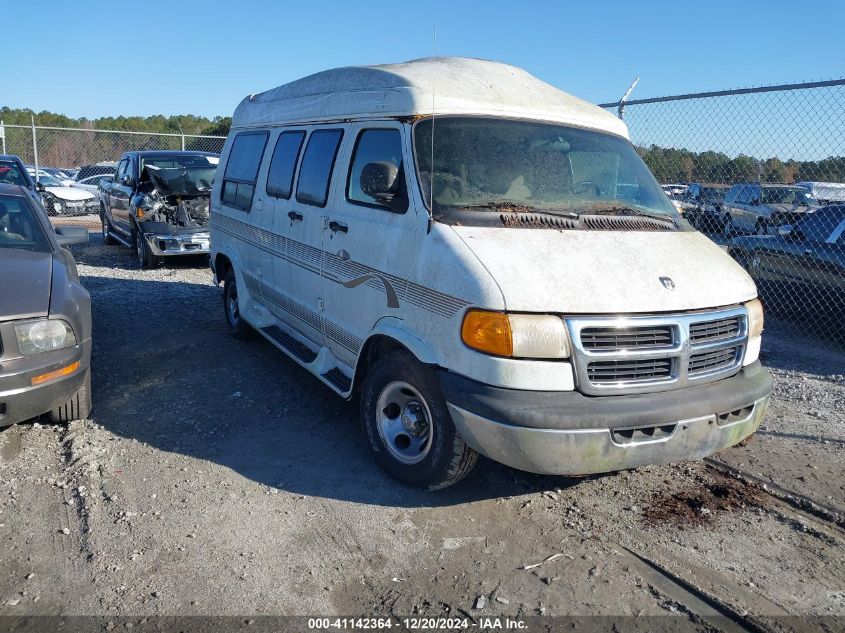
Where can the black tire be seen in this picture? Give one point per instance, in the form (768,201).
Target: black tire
(143,255)
(108,240)
(238,328)
(448,458)
(77,407)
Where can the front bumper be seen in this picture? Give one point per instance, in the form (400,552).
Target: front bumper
(567,433)
(20,400)
(165,245)
(78,207)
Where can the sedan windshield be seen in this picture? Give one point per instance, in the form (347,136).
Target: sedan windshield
(19,228)
(787,195)
(47,180)
(712,194)
(501,165)
(11,174)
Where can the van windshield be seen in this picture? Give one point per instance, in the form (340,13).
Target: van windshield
(506,165)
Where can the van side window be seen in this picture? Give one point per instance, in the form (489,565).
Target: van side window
(373,146)
(283,164)
(242,169)
(316,170)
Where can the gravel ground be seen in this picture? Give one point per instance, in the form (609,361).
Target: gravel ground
(219,478)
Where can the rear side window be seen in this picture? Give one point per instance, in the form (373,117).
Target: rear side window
(373,146)
(316,171)
(242,169)
(283,164)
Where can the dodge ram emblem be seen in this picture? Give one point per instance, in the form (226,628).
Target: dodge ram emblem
(667,283)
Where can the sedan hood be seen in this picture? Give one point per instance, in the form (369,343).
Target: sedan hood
(607,272)
(25,283)
(70,193)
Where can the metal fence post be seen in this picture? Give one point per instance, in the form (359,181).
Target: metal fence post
(3,134)
(183,142)
(34,147)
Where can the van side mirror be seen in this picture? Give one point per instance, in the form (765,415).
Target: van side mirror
(126,179)
(67,235)
(380,181)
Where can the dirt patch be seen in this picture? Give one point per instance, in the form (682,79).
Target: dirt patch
(702,505)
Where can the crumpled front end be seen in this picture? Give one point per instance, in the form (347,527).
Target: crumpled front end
(174,224)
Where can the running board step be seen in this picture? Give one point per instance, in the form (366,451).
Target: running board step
(338,379)
(300,350)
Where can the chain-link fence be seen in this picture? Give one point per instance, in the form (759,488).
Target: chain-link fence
(71,162)
(761,171)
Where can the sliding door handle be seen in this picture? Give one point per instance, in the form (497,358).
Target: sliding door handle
(294,216)
(337,226)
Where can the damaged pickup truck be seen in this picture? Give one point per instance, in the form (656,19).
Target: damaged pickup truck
(157,203)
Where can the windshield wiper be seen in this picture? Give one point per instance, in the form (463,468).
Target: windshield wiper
(513,207)
(630,211)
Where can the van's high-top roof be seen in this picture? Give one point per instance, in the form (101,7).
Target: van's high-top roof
(453,85)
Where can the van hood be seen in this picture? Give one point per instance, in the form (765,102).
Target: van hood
(607,272)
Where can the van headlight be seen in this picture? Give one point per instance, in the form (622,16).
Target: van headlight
(755,330)
(515,335)
(43,335)
(755,318)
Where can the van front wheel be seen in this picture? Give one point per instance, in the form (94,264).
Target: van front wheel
(408,426)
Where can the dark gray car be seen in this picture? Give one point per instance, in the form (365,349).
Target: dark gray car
(45,316)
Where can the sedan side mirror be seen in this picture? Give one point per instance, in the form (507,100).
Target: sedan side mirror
(785,230)
(67,235)
(755,201)
(39,186)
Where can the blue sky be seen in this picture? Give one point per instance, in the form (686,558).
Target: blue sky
(95,58)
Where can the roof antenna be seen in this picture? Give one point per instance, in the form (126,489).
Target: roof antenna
(431,170)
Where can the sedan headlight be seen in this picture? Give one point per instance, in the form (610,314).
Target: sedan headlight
(515,335)
(44,335)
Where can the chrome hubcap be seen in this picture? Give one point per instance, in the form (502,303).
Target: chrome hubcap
(404,422)
(232,306)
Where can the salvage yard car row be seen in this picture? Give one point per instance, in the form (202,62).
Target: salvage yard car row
(511,282)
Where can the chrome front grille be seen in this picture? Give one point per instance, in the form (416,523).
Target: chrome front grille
(618,338)
(611,371)
(641,354)
(706,331)
(713,360)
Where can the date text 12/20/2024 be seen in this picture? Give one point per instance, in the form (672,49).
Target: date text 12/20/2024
(416,624)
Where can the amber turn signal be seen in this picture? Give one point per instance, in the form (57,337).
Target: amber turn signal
(57,373)
(488,332)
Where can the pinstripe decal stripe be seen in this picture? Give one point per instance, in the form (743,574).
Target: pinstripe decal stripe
(337,270)
(333,331)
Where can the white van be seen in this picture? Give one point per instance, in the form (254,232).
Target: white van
(533,296)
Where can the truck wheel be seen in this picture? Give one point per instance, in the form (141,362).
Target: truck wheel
(77,407)
(238,328)
(408,426)
(108,240)
(146,259)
